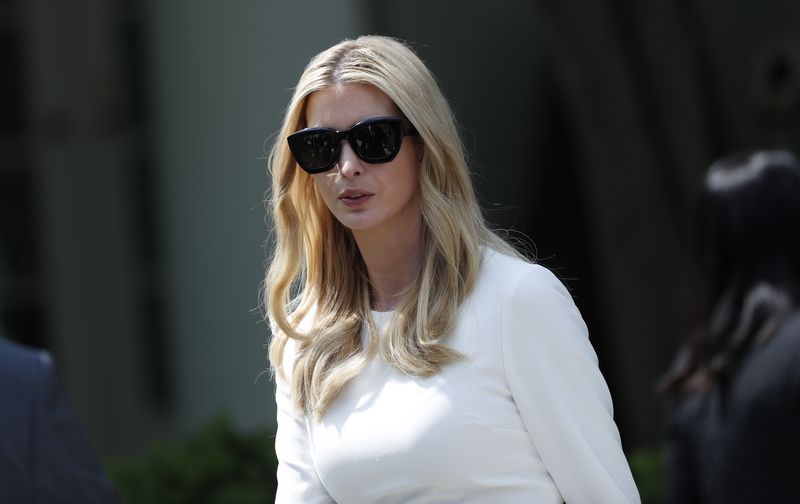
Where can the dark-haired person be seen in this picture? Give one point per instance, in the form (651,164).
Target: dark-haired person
(419,358)
(734,418)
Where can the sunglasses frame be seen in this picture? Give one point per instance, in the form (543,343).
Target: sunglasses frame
(295,141)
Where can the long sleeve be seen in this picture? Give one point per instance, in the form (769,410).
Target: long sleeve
(297,477)
(552,372)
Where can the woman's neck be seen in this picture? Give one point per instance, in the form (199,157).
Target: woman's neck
(393,261)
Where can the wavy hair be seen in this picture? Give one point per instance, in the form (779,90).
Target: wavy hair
(316,290)
(748,264)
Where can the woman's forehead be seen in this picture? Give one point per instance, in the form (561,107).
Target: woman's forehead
(342,105)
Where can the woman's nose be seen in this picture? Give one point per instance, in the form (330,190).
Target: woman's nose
(349,164)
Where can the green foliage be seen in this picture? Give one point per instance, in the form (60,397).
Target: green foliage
(214,466)
(648,471)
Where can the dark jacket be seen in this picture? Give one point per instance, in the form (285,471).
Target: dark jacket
(740,441)
(45,455)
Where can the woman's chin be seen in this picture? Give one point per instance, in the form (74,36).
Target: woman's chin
(357,222)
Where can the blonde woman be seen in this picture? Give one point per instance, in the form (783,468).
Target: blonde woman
(418,358)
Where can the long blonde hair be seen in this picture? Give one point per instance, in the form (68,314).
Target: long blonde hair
(317,276)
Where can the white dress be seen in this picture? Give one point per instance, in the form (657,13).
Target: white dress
(526,418)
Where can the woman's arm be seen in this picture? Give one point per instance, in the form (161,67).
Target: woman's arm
(297,476)
(563,399)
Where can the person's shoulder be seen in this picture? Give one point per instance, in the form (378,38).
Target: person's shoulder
(526,292)
(18,361)
(791,326)
(502,272)
(25,374)
(500,264)
(780,354)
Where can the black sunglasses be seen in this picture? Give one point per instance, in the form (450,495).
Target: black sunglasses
(374,140)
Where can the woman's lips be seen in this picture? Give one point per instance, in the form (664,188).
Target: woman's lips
(355,198)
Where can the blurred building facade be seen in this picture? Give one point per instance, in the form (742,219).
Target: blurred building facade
(132,173)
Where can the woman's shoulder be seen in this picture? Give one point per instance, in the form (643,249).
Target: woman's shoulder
(503,274)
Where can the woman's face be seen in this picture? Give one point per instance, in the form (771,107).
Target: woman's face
(367,198)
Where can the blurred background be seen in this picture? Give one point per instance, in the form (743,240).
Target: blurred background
(132,174)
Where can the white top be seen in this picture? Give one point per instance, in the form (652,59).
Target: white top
(526,418)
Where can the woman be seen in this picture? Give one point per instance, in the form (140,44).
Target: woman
(735,387)
(417,357)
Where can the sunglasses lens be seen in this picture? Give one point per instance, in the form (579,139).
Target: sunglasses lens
(314,151)
(374,141)
(377,142)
